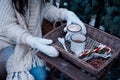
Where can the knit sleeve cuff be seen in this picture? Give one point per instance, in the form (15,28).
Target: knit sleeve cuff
(55,14)
(15,33)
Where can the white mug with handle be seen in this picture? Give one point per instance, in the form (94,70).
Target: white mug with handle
(71,29)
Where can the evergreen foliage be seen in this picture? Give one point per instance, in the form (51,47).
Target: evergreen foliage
(81,7)
(112,17)
(107,11)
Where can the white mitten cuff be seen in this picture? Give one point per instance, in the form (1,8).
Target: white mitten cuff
(30,40)
(63,13)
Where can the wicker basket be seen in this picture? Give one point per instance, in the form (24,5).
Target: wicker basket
(94,37)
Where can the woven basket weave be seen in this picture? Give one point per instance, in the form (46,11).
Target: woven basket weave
(94,37)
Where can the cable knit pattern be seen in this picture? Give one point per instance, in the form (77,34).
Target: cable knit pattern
(9,26)
(13,29)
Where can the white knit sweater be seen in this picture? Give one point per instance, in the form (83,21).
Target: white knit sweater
(13,30)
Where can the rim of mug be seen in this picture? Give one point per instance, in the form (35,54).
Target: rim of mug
(80,41)
(74,24)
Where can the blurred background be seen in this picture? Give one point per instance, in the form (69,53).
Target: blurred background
(101,14)
(105,13)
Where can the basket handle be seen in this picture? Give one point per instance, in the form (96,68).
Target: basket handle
(57,24)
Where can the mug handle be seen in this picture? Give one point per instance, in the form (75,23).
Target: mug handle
(67,36)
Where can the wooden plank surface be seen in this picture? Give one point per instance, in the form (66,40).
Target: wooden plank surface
(66,67)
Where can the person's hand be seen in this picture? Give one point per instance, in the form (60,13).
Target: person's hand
(42,45)
(72,18)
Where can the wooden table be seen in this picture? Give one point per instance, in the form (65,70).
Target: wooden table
(69,69)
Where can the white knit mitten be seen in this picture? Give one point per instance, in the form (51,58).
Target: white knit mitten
(42,45)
